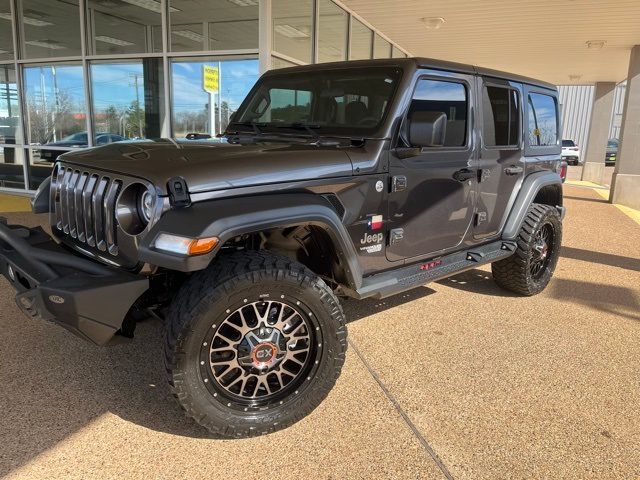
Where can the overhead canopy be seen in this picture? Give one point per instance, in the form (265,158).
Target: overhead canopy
(560,41)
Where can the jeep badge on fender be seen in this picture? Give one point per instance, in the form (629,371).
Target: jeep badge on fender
(372,183)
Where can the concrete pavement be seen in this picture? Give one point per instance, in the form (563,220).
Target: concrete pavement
(457,379)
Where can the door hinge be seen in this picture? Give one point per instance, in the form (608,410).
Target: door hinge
(481,217)
(396,236)
(399,183)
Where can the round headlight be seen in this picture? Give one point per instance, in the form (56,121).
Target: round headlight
(147,200)
(135,208)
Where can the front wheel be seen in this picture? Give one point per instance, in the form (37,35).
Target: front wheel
(529,270)
(253,344)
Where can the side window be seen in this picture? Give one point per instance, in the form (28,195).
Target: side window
(449,98)
(501,116)
(543,120)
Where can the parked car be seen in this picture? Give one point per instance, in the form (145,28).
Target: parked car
(371,184)
(612,151)
(571,152)
(75,140)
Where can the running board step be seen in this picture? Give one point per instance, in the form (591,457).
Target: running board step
(405,278)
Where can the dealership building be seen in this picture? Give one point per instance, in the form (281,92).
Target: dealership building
(81,73)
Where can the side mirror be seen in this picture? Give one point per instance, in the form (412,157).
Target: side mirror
(427,129)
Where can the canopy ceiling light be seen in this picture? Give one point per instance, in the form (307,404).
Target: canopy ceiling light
(50,44)
(433,23)
(189,34)
(28,20)
(152,5)
(245,3)
(113,41)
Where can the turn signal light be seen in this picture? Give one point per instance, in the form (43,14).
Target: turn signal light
(201,246)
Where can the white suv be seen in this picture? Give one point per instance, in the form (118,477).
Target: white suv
(571,152)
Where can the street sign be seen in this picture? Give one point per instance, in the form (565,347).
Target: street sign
(210,79)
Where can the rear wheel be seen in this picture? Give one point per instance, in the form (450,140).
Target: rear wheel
(253,344)
(529,270)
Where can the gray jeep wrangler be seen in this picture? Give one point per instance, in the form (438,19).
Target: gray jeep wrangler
(360,179)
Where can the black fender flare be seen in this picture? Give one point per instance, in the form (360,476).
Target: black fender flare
(230,217)
(531,185)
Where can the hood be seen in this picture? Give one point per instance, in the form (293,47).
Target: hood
(215,166)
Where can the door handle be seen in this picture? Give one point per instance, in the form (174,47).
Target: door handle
(464,175)
(513,170)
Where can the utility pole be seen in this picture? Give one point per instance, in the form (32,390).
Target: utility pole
(135,77)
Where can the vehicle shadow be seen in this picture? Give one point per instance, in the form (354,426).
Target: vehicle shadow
(612,299)
(619,261)
(358,309)
(476,281)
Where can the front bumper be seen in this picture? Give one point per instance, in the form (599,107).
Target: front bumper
(83,296)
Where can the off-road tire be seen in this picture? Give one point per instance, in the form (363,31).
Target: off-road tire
(514,273)
(203,300)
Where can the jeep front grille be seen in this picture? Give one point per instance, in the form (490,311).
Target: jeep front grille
(85,205)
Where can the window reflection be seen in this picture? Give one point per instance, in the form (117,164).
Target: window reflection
(126,100)
(213,25)
(190,103)
(361,38)
(9,113)
(332,32)
(292,28)
(50,28)
(121,26)
(6,41)
(55,104)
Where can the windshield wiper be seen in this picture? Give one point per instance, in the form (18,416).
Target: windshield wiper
(309,127)
(302,126)
(255,125)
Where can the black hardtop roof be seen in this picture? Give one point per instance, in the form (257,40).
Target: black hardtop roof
(420,62)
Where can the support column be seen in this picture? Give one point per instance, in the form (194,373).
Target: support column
(625,187)
(265,34)
(596,147)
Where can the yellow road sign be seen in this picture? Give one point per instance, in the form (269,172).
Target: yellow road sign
(210,77)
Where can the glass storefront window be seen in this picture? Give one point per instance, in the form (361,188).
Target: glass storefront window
(190,103)
(397,53)
(213,25)
(10,131)
(333,24)
(6,40)
(12,167)
(293,28)
(50,28)
(125,27)
(381,48)
(56,107)
(127,99)
(361,37)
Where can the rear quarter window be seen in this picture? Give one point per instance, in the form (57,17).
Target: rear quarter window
(543,120)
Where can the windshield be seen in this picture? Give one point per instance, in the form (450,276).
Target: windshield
(568,143)
(612,143)
(346,102)
(76,137)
